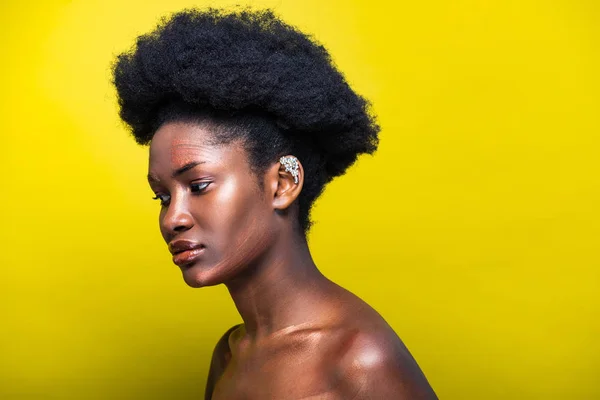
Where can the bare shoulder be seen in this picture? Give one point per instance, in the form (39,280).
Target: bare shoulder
(220,358)
(375,364)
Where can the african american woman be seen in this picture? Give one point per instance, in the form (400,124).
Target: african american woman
(247,120)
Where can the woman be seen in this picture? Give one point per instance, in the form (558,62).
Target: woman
(247,120)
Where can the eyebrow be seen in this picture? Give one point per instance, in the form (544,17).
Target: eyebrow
(185,168)
(178,171)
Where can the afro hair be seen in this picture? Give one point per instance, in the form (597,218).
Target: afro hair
(275,87)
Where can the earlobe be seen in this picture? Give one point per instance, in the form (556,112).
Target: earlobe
(290,176)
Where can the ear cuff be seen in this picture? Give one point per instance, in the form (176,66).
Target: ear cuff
(291,165)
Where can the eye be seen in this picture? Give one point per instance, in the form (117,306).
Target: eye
(199,187)
(164,199)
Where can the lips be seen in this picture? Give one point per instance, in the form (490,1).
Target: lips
(185,252)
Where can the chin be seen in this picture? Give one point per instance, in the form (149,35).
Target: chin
(197,277)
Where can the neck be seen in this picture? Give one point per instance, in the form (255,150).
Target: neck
(276,294)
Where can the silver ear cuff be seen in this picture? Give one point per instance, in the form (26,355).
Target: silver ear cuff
(291,165)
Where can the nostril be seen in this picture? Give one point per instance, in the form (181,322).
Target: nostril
(177,218)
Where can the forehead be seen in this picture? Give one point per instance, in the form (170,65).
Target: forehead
(177,143)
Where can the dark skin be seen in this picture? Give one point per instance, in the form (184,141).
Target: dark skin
(303,336)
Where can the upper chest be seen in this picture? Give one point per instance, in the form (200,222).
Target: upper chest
(296,368)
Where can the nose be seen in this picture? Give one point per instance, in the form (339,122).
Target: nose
(176,218)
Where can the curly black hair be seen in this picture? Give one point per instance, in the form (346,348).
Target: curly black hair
(256,77)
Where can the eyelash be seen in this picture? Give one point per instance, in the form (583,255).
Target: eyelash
(196,188)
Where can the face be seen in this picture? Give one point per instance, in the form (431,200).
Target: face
(214,215)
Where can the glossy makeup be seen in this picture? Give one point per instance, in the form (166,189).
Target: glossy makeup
(213,214)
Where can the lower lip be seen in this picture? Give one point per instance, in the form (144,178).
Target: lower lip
(186,257)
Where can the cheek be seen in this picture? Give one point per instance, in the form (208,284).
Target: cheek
(240,224)
(161,226)
(246,244)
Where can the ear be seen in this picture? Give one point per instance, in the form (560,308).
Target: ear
(284,188)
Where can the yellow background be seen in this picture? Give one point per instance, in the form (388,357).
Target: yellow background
(474,230)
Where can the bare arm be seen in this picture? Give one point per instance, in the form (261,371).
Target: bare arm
(219,361)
